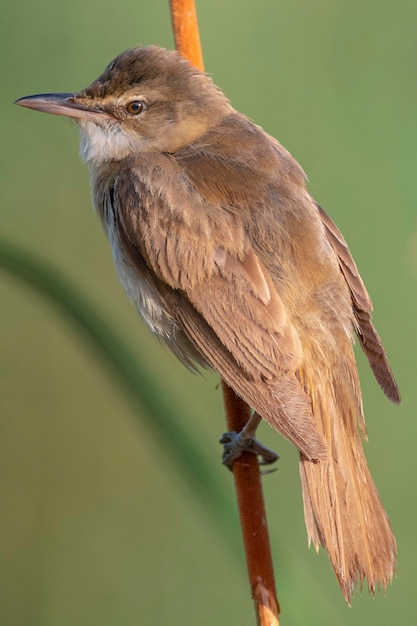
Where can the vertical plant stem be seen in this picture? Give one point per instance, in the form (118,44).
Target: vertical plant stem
(247,477)
(186,32)
(246,471)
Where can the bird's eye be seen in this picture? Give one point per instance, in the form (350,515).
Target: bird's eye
(135,107)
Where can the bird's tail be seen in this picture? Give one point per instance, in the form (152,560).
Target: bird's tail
(342,509)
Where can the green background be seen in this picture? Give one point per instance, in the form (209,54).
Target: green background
(97,524)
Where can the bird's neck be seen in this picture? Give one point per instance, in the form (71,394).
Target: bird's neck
(104,143)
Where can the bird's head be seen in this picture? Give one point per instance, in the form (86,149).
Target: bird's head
(147,99)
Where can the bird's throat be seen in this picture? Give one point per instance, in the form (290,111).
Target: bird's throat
(101,143)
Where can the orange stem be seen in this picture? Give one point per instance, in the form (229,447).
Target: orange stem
(247,477)
(186,33)
(246,471)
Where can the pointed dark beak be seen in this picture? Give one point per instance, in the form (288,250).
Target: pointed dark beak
(62,104)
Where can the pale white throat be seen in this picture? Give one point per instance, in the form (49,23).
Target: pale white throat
(107,141)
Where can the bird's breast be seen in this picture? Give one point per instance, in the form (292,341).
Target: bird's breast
(141,289)
(137,287)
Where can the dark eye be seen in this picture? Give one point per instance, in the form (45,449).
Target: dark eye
(135,107)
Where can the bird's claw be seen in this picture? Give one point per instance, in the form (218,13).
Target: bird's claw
(236,443)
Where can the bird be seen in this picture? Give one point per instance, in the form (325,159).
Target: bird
(234,266)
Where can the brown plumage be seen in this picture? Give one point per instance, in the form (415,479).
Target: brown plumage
(231,262)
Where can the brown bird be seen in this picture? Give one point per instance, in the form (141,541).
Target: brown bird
(232,263)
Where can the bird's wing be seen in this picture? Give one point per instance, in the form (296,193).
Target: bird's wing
(362,307)
(222,297)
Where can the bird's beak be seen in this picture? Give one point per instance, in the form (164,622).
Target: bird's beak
(63,104)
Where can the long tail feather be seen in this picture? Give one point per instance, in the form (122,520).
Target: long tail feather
(342,509)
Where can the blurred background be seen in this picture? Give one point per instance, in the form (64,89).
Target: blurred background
(97,524)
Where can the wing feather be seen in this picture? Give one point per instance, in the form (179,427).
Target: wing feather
(224,300)
(362,307)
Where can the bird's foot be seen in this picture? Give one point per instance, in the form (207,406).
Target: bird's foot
(236,443)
